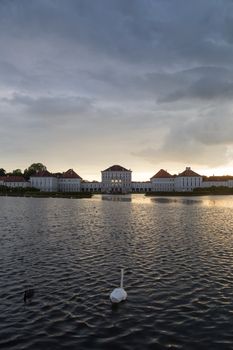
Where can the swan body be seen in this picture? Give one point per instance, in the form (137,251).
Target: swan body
(119,294)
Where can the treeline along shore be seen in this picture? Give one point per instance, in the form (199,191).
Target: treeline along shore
(33,192)
(211,191)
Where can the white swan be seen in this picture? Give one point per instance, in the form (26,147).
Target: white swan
(119,294)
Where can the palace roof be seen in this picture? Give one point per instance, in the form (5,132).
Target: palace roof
(161,174)
(188,172)
(70,174)
(218,178)
(116,168)
(12,178)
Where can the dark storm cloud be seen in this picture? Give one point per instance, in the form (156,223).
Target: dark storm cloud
(51,106)
(120,67)
(205,83)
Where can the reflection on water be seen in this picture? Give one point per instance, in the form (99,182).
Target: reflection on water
(134,198)
(176,200)
(221,201)
(178,273)
(116,198)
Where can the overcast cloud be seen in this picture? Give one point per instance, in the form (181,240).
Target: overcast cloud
(144,83)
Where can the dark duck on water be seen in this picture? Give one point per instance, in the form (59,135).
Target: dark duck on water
(28,294)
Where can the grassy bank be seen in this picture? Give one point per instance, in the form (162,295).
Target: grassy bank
(29,192)
(211,191)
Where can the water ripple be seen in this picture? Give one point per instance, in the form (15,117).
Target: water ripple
(178,273)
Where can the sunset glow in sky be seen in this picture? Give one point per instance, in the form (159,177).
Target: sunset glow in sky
(146,84)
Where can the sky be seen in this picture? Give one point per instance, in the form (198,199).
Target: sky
(146,84)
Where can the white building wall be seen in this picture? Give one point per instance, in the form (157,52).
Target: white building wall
(17,184)
(45,184)
(162,184)
(208,184)
(230,183)
(116,181)
(91,186)
(69,185)
(187,183)
(139,186)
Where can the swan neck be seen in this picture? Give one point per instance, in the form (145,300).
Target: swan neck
(122,277)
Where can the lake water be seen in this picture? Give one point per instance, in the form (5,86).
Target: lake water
(177,254)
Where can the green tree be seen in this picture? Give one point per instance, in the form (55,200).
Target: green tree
(17,172)
(33,169)
(2,172)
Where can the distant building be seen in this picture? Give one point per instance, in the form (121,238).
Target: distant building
(14,181)
(44,181)
(91,186)
(69,181)
(162,181)
(217,181)
(140,186)
(187,180)
(116,179)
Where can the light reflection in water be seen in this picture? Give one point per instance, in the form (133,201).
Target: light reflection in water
(209,201)
(134,198)
(178,272)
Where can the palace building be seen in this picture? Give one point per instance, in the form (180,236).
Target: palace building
(117,179)
(183,182)
(162,181)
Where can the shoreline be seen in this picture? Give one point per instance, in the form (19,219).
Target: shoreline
(81,195)
(187,194)
(47,195)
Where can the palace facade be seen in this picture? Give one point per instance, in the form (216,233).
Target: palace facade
(117,179)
